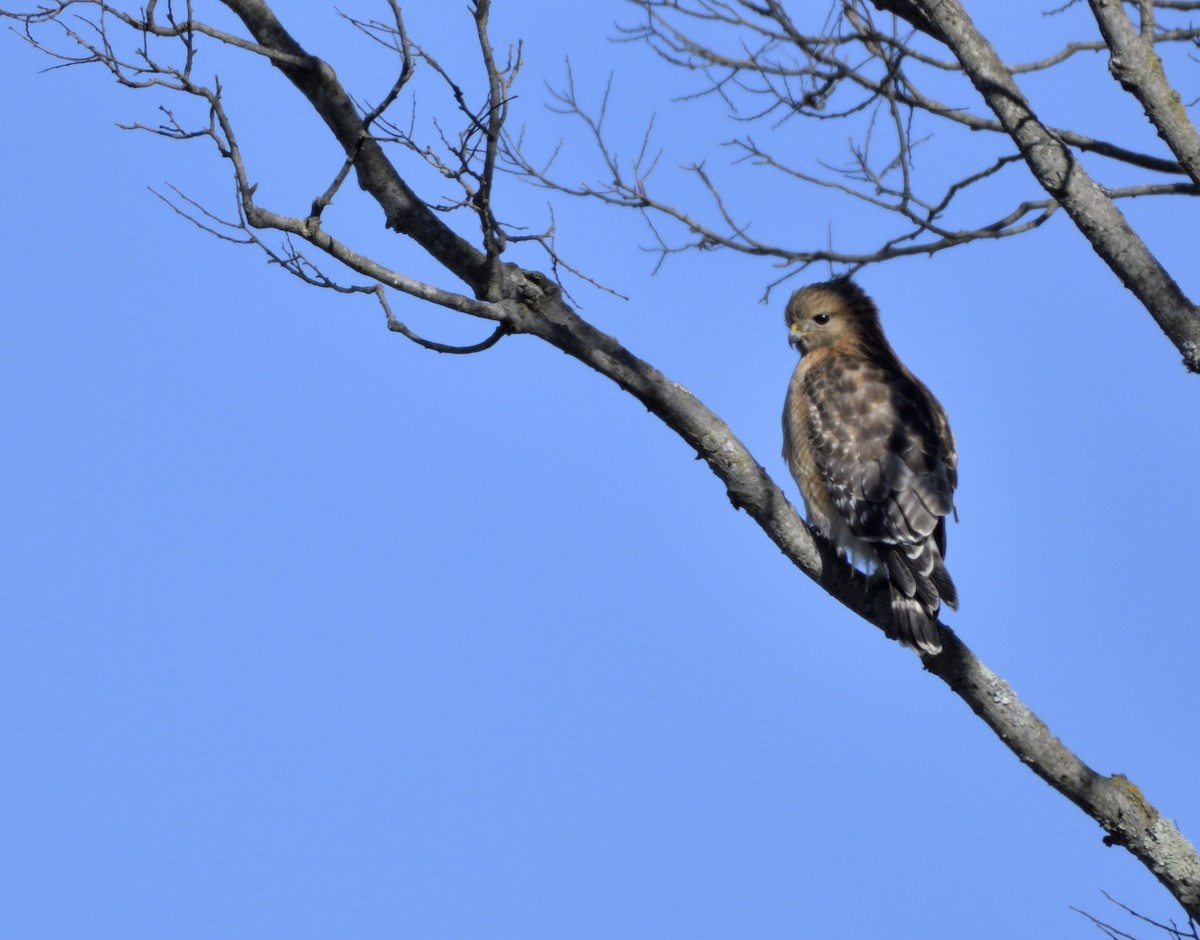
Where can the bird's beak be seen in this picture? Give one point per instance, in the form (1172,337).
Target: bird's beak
(796,339)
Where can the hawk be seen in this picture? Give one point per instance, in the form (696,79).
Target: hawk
(872,453)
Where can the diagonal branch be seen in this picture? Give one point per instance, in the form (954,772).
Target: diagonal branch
(1136,65)
(405,212)
(1062,176)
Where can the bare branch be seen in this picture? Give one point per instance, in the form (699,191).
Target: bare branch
(1061,175)
(1171,929)
(629,186)
(499,82)
(404,211)
(147,25)
(397,326)
(802,73)
(1138,68)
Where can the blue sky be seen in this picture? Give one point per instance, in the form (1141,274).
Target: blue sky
(309,632)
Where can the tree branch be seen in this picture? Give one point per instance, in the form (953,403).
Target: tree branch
(1062,176)
(405,212)
(1137,67)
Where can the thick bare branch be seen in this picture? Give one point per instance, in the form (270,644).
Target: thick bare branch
(1136,65)
(405,212)
(1061,175)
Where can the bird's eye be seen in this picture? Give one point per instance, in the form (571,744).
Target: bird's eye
(821,319)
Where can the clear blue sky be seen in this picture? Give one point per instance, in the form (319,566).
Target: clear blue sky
(310,633)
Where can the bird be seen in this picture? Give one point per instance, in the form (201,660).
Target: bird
(871,450)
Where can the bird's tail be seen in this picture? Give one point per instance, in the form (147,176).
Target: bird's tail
(919,584)
(915,626)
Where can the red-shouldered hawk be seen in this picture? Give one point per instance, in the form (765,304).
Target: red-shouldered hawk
(872,453)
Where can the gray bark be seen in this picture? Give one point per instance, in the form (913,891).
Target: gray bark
(1134,63)
(1060,174)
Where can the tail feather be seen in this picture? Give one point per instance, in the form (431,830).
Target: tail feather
(917,571)
(919,585)
(899,572)
(945,585)
(915,626)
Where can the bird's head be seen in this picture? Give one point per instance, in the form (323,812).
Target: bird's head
(829,313)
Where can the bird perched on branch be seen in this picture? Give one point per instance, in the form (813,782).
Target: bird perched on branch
(872,453)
